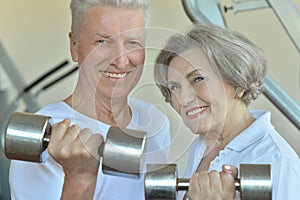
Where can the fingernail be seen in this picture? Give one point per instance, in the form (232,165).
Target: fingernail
(227,168)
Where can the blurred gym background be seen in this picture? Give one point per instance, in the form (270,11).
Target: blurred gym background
(36,67)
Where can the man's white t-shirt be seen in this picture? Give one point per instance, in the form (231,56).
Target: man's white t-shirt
(36,181)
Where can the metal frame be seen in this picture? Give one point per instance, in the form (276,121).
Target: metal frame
(17,79)
(285,11)
(31,104)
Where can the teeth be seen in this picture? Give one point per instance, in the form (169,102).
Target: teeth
(111,75)
(193,112)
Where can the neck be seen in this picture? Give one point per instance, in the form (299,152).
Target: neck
(234,124)
(112,112)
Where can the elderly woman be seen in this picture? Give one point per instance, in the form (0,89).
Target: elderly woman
(210,76)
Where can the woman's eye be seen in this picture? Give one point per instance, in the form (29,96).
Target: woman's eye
(173,87)
(198,79)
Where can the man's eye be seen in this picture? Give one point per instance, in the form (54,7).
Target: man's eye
(135,44)
(101,42)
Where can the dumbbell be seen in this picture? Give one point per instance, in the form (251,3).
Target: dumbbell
(27,137)
(161,182)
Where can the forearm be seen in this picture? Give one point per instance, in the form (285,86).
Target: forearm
(81,187)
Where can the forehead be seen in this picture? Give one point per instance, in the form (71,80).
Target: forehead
(113,21)
(188,61)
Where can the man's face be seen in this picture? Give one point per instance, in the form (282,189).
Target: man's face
(110,51)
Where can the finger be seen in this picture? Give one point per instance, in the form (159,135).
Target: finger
(228,185)
(230,169)
(215,182)
(204,181)
(59,129)
(93,145)
(90,142)
(84,135)
(194,187)
(194,182)
(78,146)
(71,134)
(57,133)
(62,143)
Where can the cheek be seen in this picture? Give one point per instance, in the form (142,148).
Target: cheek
(90,56)
(137,57)
(212,91)
(175,104)
(204,92)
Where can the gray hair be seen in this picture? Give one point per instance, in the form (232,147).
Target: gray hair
(239,61)
(80,7)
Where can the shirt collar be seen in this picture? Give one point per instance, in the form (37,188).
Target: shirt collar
(257,130)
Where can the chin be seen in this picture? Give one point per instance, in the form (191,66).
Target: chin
(199,130)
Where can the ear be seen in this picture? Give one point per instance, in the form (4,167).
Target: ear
(239,92)
(73,47)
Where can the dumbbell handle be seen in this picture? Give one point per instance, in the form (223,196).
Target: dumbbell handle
(47,136)
(46,141)
(183,184)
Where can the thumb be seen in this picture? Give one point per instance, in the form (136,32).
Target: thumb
(230,169)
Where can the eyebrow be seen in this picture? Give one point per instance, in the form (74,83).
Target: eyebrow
(187,76)
(171,82)
(193,72)
(111,37)
(103,35)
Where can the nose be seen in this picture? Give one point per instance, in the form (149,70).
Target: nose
(187,95)
(120,56)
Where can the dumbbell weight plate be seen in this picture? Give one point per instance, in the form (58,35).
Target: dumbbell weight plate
(161,181)
(123,152)
(255,182)
(23,138)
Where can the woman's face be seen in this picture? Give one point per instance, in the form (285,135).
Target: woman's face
(199,94)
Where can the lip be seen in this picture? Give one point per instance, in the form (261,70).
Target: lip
(114,75)
(195,111)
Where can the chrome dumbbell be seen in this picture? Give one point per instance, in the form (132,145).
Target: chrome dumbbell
(161,182)
(27,136)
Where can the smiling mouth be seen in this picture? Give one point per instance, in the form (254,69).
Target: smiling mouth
(114,75)
(195,111)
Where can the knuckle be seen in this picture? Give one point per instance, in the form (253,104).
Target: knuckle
(214,173)
(75,128)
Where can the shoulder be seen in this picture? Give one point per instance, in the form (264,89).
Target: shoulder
(57,111)
(141,104)
(149,117)
(143,108)
(283,147)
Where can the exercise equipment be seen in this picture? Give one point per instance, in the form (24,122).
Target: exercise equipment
(161,182)
(27,137)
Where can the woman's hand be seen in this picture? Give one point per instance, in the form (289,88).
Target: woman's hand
(213,185)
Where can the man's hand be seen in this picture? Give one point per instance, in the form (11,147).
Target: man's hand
(76,150)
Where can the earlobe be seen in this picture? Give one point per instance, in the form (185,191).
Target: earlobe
(73,48)
(239,92)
